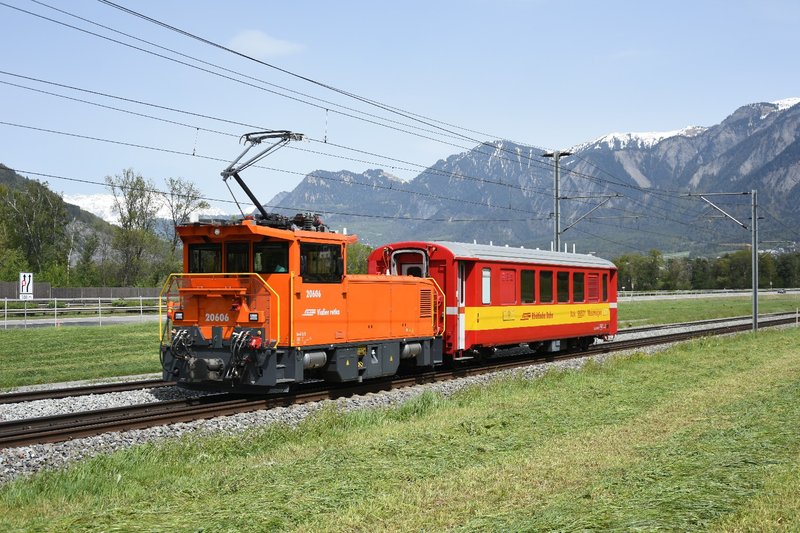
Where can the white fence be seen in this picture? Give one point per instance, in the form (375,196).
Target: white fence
(64,311)
(677,295)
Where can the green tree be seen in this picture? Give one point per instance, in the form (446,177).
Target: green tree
(767,271)
(136,204)
(182,199)
(787,268)
(650,271)
(627,271)
(701,277)
(357,254)
(12,264)
(677,275)
(740,269)
(86,271)
(721,272)
(34,219)
(56,274)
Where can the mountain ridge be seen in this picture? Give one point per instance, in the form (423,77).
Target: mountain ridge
(506,189)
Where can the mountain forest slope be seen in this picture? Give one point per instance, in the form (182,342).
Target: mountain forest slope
(502,192)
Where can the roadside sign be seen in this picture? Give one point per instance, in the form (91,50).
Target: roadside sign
(26,286)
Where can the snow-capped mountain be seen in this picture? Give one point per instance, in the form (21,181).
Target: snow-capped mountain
(648,139)
(102,205)
(97,204)
(502,191)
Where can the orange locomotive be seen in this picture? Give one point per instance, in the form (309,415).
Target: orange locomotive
(263,304)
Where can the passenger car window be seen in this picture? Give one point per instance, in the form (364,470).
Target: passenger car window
(528,286)
(486,286)
(546,286)
(562,280)
(577,287)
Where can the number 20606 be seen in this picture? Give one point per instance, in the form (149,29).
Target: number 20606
(217,317)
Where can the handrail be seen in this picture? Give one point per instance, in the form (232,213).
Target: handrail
(172,277)
(444,302)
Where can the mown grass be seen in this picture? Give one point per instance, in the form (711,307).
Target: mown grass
(644,312)
(702,436)
(48,355)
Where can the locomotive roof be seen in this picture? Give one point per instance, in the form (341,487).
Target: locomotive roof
(523,255)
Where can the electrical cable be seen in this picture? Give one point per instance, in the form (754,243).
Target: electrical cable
(178,152)
(288,208)
(427,170)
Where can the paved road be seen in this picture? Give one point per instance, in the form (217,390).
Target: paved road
(76,321)
(640,297)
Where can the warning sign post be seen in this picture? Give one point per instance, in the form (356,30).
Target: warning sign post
(26,286)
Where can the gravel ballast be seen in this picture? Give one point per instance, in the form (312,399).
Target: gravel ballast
(15,462)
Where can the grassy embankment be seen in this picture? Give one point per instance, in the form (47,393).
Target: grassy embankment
(48,355)
(702,436)
(645,312)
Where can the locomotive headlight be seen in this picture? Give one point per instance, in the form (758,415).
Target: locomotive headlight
(216,231)
(178,315)
(253,317)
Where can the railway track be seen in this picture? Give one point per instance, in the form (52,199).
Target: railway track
(105,388)
(52,394)
(76,425)
(763,318)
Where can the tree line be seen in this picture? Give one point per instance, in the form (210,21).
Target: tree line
(652,271)
(38,234)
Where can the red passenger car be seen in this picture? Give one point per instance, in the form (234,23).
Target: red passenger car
(499,297)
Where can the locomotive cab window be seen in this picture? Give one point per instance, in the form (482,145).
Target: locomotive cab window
(562,282)
(205,258)
(546,286)
(321,263)
(271,257)
(605,287)
(237,257)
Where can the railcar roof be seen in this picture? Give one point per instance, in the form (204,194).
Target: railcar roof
(523,255)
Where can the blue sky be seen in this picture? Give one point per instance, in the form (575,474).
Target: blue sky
(549,74)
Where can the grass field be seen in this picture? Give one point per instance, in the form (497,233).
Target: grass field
(644,312)
(49,355)
(702,436)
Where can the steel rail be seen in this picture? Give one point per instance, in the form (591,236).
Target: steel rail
(761,318)
(65,427)
(124,386)
(102,388)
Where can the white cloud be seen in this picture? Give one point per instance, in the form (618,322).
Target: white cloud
(260,45)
